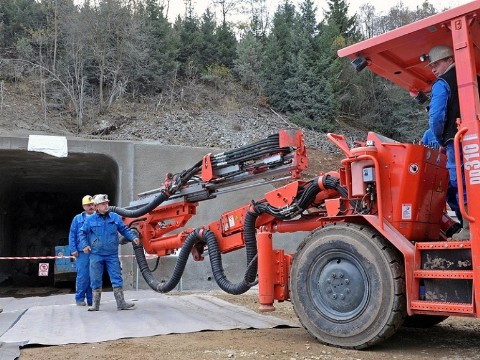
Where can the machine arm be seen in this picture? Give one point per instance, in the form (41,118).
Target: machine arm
(283,209)
(281,153)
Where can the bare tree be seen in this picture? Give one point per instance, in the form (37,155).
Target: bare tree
(2,93)
(114,45)
(366,20)
(75,31)
(52,78)
(373,24)
(258,17)
(51,31)
(166,6)
(227,7)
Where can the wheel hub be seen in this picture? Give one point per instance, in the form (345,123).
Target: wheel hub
(342,288)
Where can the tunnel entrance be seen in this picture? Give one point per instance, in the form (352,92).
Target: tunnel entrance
(39,196)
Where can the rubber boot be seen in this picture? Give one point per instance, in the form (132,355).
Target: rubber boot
(464,234)
(121,304)
(97,295)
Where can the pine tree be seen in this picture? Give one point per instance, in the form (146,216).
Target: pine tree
(310,94)
(337,15)
(17,19)
(227,45)
(209,50)
(248,63)
(190,40)
(279,47)
(160,45)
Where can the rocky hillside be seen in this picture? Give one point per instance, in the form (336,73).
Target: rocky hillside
(209,124)
(208,128)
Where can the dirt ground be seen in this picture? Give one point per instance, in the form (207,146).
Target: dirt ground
(455,338)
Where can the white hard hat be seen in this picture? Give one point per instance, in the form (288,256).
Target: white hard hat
(439,52)
(100,198)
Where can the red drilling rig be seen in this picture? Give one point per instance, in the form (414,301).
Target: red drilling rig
(379,253)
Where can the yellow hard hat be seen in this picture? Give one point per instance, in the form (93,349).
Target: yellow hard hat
(439,52)
(87,199)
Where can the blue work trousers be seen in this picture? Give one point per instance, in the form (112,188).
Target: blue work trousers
(452,192)
(98,263)
(452,201)
(82,285)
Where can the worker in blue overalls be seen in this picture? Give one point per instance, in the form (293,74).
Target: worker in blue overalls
(99,238)
(82,262)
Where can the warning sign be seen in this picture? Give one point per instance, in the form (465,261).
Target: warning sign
(406,211)
(43,269)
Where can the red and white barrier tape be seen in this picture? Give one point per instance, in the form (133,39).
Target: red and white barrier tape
(34,257)
(58,257)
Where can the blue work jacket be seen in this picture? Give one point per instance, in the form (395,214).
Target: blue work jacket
(438,109)
(101,233)
(73,236)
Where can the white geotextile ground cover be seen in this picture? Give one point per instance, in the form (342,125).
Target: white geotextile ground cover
(56,320)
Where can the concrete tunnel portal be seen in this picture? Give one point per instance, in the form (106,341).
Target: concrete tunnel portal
(39,196)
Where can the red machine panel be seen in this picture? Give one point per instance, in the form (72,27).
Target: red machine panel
(414,199)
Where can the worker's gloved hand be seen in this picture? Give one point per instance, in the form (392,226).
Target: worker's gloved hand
(87,249)
(75,254)
(123,240)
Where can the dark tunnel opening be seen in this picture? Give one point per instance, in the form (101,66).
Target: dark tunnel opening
(39,196)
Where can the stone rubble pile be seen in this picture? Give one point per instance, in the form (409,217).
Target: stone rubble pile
(211,129)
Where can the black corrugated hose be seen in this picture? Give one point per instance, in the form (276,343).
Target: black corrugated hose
(218,271)
(156,285)
(215,261)
(331,182)
(206,236)
(141,211)
(180,180)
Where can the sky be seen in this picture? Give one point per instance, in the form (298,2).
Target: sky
(177,7)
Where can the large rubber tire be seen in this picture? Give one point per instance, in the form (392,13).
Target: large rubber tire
(347,286)
(423,321)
